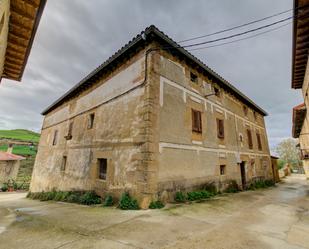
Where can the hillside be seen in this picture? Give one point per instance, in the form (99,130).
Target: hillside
(20,135)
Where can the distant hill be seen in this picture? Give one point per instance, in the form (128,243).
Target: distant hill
(20,135)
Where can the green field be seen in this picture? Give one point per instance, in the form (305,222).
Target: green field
(23,150)
(21,135)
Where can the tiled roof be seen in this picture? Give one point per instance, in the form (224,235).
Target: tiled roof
(5,156)
(141,39)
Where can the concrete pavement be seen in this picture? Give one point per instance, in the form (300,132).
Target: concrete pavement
(273,218)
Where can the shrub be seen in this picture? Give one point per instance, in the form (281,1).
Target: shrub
(127,203)
(232,187)
(108,201)
(73,197)
(90,198)
(156,205)
(4,187)
(61,196)
(211,188)
(261,184)
(47,196)
(180,197)
(198,195)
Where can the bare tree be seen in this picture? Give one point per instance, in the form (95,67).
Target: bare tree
(289,152)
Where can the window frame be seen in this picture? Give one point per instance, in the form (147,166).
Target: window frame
(91,118)
(55,138)
(259,141)
(193,78)
(222,169)
(249,137)
(63,163)
(220,128)
(197,124)
(102,162)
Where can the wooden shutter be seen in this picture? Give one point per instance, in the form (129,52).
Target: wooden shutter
(249,139)
(258,137)
(220,128)
(196,121)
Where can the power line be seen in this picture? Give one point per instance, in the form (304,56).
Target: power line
(242,25)
(249,37)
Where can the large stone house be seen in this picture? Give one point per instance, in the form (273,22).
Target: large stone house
(300,78)
(19,20)
(151,120)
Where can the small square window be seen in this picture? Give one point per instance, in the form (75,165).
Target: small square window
(222,169)
(102,168)
(91,121)
(193,77)
(64,163)
(217,91)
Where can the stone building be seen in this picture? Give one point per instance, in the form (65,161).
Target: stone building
(151,120)
(300,77)
(9,165)
(19,20)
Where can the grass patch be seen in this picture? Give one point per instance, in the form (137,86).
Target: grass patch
(261,184)
(80,197)
(20,135)
(23,150)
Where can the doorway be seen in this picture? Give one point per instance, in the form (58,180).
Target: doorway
(243,174)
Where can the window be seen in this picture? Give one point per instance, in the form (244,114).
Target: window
(255,115)
(55,137)
(69,136)
(250,144)
(245,110)
(217,91)
(196,121)
(258,138)
(220,128)
(193,77)
(222,170)
(64,163)
(102,164)
(91,121)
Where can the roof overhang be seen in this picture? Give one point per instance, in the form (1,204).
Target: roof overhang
(24,20)
(300,42)
(151,34)
(299,114)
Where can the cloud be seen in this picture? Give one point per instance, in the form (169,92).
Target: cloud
(75,36)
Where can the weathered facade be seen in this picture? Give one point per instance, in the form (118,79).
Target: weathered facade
(151,121)
(300,78)
(19,20)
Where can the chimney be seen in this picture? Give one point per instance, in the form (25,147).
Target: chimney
(10,149)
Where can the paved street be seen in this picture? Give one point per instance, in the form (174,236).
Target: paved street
(274,218)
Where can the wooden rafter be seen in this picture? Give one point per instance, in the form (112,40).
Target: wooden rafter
(21,13)
(32,3)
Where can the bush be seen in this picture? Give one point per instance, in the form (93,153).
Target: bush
(61,196)
(90,198)
(4,187)
(73,197)
(47,196)
(108,201)
(261,184)
(156,205)
(198,195)
(127,203)
(232,187)
(211,188)
(180,197)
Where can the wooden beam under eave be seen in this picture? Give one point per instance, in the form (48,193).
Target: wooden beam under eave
(19,36)
(32,3)
(12,65)
(14,23)
(16,42)
(20,50)
(14,60)
(12,71)
(11,55)
(21,13)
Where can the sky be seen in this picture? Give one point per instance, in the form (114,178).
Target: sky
(75,36)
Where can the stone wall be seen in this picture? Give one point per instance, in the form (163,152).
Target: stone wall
(188,160)
(8,170)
